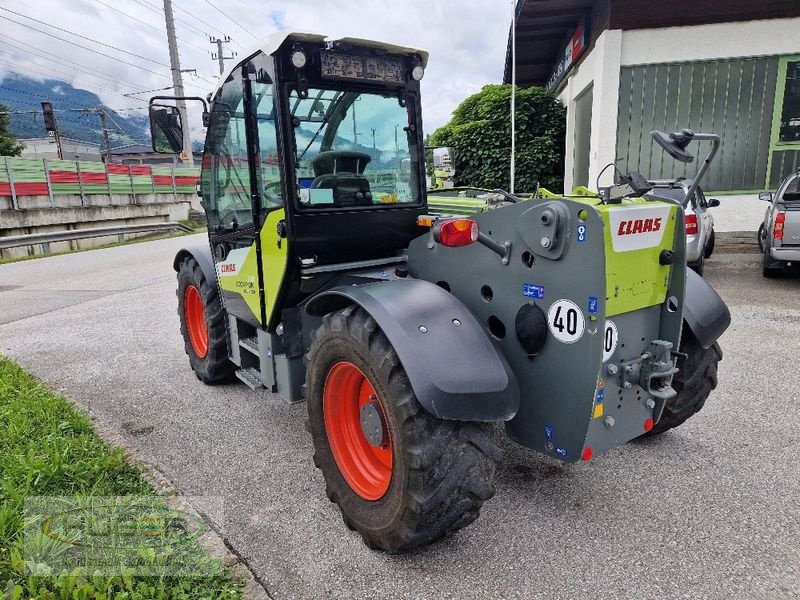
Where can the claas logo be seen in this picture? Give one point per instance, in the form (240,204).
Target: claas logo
(639,226)
(228,268)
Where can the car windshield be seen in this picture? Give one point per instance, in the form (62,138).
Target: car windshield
(353,149)
(792,191)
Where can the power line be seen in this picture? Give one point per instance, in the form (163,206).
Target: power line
(85,37)
(83,47)
(195,17)
(64,61)
(239,25)
(4,87)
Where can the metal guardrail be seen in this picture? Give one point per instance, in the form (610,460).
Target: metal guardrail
(45,239)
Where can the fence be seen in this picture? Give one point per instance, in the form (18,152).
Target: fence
(43,177)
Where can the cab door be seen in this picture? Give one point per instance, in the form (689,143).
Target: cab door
(240,187)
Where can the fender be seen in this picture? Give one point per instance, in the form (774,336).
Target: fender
(455,370)
(202,254)
(704,311)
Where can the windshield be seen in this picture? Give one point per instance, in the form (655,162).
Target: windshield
(353,149)
(791,193)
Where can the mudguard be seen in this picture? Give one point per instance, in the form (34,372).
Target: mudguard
(202,254)
(455,370)
(704,311)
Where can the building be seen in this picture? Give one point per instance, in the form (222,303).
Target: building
(71,149)
(625,67)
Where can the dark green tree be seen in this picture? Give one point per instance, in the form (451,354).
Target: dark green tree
(9,146)
(480,137)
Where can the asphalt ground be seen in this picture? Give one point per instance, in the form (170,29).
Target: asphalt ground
(709,510)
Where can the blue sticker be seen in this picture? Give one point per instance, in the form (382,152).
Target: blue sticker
(593,302)
(533,291)
(561,452)
(582,233)
(548,432)
(384,274)
(601,394)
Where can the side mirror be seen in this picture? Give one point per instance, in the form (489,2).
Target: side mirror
(166,129)
(675,143)
(765,196)
(713,203)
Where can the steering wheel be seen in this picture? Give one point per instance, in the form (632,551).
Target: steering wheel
(272,192)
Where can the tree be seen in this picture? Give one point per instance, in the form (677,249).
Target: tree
(9,146)
(480,135)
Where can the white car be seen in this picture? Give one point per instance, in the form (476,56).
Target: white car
(699,220)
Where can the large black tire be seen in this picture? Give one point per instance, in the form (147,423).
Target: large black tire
(215,366)
(694,382)
(442,471)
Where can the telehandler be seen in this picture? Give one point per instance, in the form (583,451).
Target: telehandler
(572,320)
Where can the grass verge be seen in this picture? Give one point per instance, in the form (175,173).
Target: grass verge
(49,449)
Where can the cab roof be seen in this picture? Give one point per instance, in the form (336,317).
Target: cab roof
(271,44)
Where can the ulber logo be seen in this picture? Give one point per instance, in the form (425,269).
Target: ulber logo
(228,268)
(639,226)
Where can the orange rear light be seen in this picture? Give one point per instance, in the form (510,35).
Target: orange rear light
(456,232)
(777,230)
(691,224)
(425,220)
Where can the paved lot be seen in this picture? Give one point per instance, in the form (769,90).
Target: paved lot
(708,511)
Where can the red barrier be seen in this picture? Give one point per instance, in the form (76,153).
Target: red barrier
(63,177)
(186,180)
(162,179)
(117,169)
(141,170)
(25,188)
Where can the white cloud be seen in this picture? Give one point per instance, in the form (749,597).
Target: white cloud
(467,41)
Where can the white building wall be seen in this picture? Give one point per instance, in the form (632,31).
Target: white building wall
(616,48)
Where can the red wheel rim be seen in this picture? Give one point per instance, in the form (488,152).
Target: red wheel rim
(195,314)
(366,468)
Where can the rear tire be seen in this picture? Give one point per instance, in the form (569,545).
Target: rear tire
(207,350)
(699,266)
(711,243)
(694,382)
(768,268)
(440,471)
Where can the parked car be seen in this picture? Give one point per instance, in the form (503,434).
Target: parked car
(779,234)
(699,220)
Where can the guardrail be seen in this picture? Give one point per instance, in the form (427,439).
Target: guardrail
(45,239)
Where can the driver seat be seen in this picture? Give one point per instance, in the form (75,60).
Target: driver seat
(343,172)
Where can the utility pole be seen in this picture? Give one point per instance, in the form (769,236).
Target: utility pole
(103,116)
(177,83)
(219,55)
(51,125)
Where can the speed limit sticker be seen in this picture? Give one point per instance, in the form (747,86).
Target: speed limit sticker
(610,339)
(566,321)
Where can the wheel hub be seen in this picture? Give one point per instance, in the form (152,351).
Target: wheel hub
(372,425)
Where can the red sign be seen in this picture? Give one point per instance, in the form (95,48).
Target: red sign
(576,46)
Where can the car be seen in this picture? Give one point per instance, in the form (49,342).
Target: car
(779,234)
(700,236)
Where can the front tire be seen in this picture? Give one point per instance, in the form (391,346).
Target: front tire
(202,317)
(712,240)
(694,382)
(409,478)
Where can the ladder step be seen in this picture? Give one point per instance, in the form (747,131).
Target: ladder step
(250,344)
(251,377)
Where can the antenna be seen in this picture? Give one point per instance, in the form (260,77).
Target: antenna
(513,91)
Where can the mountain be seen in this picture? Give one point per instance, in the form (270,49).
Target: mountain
(20,93)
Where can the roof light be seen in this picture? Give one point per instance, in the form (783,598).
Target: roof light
(691,224)
(417,73)
(777,228)
(299,59)
(456,232)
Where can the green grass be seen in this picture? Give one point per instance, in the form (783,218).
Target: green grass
(48,448)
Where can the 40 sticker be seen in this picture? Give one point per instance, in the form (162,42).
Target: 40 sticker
(610,339)
(566,321)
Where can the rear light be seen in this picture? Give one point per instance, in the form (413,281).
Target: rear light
(587,454)
(691,224)
(648,424)
(456,232)
(777,230)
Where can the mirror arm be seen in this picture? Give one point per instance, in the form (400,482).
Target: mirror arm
(715,143)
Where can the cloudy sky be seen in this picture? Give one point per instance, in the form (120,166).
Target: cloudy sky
(467,40)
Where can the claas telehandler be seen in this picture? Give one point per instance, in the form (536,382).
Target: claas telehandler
(328,278)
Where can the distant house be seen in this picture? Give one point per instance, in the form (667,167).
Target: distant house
(72,149)
(142,154)
(625,67)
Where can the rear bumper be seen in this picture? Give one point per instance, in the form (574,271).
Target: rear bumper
(782,253)
(694,249)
